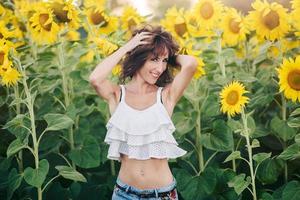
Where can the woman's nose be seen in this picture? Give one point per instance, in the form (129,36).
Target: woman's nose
(161,66)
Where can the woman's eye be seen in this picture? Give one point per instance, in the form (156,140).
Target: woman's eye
(154,59)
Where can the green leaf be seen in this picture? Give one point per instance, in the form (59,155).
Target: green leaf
(282,129)
(291,153)
(221,139)
(234,124)
(269,170)
(255,143)
(297,138)
(197,187)
(36,177)
(266,196)
(15,146)
(58,121)
(295,112)
(15,126)
(184,122)
(245,77)
(261,157)
(294,122)
(291,191)
(234,155)
(70,173)
(14,182)
(211,106)
(239,184)
(87,154)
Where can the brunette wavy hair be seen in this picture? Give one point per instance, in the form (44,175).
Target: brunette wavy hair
(159,43)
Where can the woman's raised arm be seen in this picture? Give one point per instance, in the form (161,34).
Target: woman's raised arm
(188,68)
(98,77)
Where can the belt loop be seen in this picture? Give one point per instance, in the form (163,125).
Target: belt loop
(156,193)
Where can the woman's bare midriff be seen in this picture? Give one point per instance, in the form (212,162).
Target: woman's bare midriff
(145,174)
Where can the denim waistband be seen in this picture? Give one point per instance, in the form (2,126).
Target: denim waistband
(146,191)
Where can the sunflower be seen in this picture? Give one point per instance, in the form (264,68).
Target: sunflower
(100,4)
(116,71)
(100,21)
(176,23)
(2,11)
(73,35)
(88,57)
(42,26)
(187,48)
(130,20)
(286,44)
(65,13)
(96,16)
(4,32)
(295,15)
(200,71)
(234,28)
(270,21)
(6,64)
(4,49)
(10,77)
(209,13)
(289,78)
(106,47)
(196,29)
(232,99)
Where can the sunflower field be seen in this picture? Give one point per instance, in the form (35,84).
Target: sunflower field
(239,119)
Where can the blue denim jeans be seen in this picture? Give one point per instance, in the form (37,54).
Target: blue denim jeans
(119,194)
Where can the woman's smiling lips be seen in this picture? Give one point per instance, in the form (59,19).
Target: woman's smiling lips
(155,75)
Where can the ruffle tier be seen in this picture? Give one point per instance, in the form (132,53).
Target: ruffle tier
(162,133)
(143,123)
(156,150)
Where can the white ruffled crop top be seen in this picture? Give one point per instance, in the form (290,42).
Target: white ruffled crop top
(141,134)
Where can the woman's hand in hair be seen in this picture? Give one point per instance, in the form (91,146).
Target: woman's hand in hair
(138,39)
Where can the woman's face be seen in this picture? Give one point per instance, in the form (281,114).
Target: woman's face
(153,68)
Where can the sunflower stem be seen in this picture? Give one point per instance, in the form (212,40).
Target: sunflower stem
(198,145)
(249,148)
(93,35)
(246,50)
(221,59)
(233,149)
(18,111)
(30,102)
(283,112)
(61,65)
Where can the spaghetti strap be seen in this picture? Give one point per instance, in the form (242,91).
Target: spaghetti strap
(123,93)
(158,95)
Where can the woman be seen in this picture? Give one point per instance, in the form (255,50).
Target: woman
(140,129)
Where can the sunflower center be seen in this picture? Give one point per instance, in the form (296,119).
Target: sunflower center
(60,13)
(234,26)
(43,18)
(180,29)
(271,20)
(206,10)
(232,97)
(294,79)
(97,18)
(1,57)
